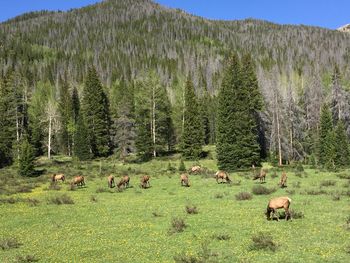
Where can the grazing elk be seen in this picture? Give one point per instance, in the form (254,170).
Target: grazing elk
(283,181)
(261,176)
(195,170)
(184,180)
(145,181)
(277,203)
(223,176)
(78,181)
(57,177)
(110,180)
(124,181)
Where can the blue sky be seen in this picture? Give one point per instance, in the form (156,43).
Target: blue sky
(324,13)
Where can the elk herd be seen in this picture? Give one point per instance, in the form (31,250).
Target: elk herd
(220,177)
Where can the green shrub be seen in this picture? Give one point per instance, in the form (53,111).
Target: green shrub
(61,200)
(263,241)
(328,183)
(26,159)
(243,196)
(9,243)
(192,210)
(182,167)
(177,225)
(262,190)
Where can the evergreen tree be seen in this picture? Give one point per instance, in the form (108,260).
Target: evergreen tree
(26,159)
(251,106)
(326,152)
(342,149)
(123,119)
(204,103)
(81,141)
(192,137)
(8,108)
(66,118)
(95,107)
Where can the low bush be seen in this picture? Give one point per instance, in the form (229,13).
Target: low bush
(61,200)
(316,192)
(262,190)
(294,214)
(222,236)
(101,190)
(191,210)
(32,201)
(219,195)
(343,176)
(263,241)
(27,258)
(243,196)
(9,243)
(178,225)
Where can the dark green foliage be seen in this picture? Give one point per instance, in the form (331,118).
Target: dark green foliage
(26,159)
(326,139)
(239,101)
(66,118)
(182,167)
(192,137)
(95,107)
(82,148)
(342,150)
(204,104)
(8,108)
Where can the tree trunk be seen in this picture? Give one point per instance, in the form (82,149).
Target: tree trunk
(154,122)
(278,136)
(49,143)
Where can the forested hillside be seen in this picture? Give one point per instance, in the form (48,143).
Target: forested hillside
(143,53)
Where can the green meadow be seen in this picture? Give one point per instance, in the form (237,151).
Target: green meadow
(98,224)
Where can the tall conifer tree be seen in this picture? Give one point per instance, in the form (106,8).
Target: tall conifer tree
(326,152)
(342,149)
(192,138)
(95,108)
(81,147)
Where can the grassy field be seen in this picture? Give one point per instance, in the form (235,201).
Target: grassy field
(135,225)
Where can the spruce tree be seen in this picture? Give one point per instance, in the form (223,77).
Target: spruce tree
(8,107)
(81,147)
(26,159)
(227,127)
(66,119)
(326,151)
(204,103)
(95,107)
(342,150)
(192,137)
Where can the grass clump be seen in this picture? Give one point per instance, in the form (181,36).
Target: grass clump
(327,183)
(156,214)
(101,190)
(316,192)
(263,241)
(262,190)
(293,213)
(27,258)
(222,236)
(243,196)
(33,201)
(93,199)
(205,255)
(218,195)
(191,210)
(53,186)
(9,243)
(61,200)
(178,225)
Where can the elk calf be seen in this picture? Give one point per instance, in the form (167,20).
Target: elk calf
(124,182)
(110,180)
(277,203)
(283,181)
(184,180)
(261,176)
(145,181)
(223,176)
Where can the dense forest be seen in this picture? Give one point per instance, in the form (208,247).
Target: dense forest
(133,77)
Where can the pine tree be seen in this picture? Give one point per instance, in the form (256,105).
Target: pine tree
(204,103)
(326,151)
(81,147)
(26,159)
(66,119)
(192,137)
(95,107)
(8,108)
(342,150)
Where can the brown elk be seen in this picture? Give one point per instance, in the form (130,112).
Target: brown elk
(223,176)
(261,176)
(57,177)
(124,182)
(78,181)
(184,180)
(283,181)
(277,203)
(145,181)
(110,180)
(195,170)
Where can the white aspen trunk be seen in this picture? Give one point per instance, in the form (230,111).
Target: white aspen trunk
(154,122)
(183,110)
(278,135)
(49,142)
(291,145)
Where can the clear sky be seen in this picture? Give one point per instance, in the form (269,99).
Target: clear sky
(324,13)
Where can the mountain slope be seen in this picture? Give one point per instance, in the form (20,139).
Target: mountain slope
(127,36)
